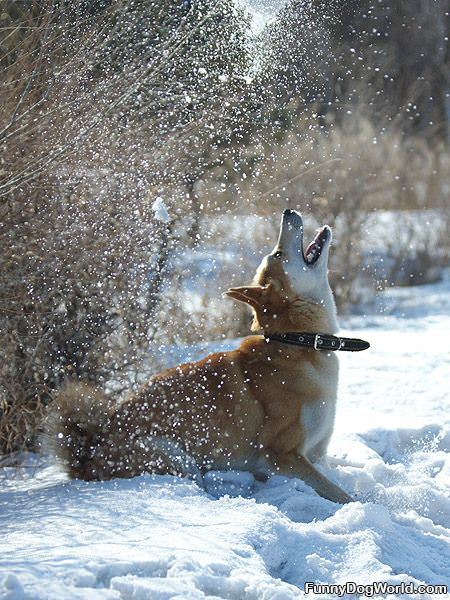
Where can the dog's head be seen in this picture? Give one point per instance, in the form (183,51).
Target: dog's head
(290,291)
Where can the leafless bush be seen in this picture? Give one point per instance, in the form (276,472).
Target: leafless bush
(93,129)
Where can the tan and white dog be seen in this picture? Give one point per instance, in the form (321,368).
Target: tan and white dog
(266,407)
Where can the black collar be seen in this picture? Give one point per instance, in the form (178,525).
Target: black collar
(319,341)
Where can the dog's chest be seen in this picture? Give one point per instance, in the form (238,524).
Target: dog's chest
(317,422)
(318,413)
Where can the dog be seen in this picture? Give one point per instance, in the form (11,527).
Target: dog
(267,407)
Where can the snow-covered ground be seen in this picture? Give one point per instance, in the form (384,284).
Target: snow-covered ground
(157,537)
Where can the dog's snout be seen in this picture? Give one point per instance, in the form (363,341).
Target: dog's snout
(293,218)
(291,234)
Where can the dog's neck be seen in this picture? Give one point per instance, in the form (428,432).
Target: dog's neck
(327,313)
(310,315)
(304,314)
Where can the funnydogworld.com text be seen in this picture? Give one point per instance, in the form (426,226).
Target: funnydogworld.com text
(372,589)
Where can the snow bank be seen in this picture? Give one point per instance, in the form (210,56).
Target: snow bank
(155,537)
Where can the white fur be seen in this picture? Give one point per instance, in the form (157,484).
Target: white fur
(317,418)
(318,422)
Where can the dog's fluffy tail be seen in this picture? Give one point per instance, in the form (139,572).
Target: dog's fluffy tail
(76,430)
(79,432)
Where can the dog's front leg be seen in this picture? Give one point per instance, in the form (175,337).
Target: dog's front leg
(299,466)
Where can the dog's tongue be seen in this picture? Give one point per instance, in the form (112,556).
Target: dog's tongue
(314,245)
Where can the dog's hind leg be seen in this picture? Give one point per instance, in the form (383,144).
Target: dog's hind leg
(299,466)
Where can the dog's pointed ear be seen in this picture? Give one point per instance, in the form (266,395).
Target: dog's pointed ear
(250,294)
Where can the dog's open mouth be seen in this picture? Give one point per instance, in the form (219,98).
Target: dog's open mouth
(314,249)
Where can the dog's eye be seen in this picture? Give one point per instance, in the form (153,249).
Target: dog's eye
(278,254)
